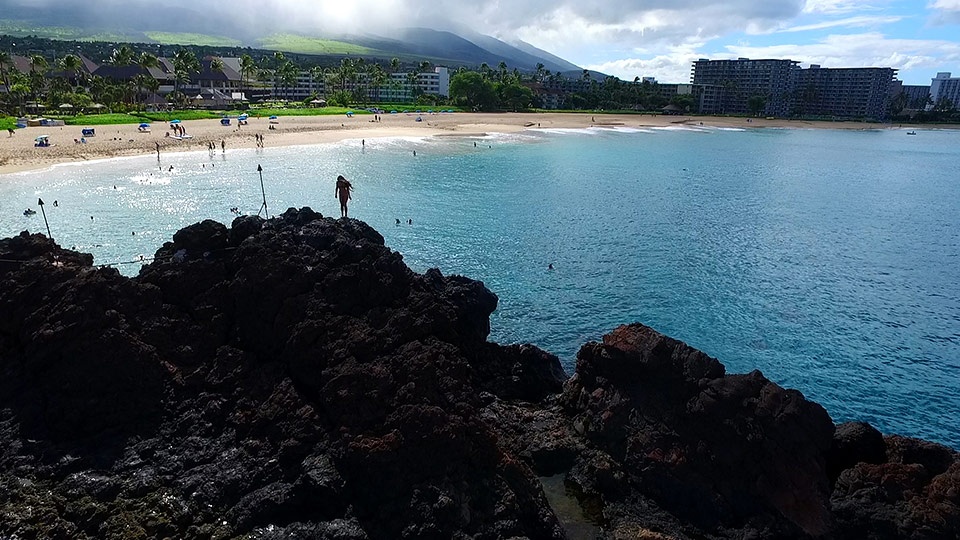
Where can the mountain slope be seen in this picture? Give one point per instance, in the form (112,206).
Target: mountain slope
(560,63)
(138,22)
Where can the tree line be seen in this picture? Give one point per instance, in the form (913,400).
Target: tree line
(352,80)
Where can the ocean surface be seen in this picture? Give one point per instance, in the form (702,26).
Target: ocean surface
(827,259)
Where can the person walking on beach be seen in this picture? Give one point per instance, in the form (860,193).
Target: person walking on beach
(343,193)
(223,146)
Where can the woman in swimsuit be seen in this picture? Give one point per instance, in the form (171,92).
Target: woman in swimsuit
(343,193)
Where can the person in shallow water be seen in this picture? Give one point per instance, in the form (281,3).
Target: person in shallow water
(343,193)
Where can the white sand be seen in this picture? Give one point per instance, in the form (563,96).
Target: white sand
(17,153)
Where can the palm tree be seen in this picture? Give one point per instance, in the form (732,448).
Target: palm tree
(122,56)
(145,61)
(139,82)
(413,84)
(316,77)
(19,86)
(185,64)
(539,74)
(98,88)
(38,68)
(216,66)
(502,70)
(345,73)
(378,77)
(5,62)
(70,64)
(247,68)
(287,75)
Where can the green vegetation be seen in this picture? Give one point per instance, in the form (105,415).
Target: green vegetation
(307,45)
(63,33)
(319,111)
(173,38)
(7,122)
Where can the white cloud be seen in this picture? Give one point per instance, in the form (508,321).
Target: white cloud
(849,22)
(671,67)
(945,11)
(861,50)
(626,38)
(835,7)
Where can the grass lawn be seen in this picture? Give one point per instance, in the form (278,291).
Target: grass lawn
(109,119)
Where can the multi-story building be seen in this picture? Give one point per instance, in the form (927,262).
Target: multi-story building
(917,95)
(784,89)
(863,93)
(399,87)
(740,82)
(944,91)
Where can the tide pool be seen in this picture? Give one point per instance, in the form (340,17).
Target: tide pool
(829,260)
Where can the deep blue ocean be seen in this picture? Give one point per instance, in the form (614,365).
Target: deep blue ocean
(827,259)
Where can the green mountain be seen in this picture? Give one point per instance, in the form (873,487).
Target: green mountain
(139,22)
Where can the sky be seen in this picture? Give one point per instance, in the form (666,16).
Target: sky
(661,38)
(639,38)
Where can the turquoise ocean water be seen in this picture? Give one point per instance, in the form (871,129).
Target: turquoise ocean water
(829,260)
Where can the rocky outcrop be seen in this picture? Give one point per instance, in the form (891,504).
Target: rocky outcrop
(292,378)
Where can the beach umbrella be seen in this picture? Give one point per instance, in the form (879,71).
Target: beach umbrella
(144,125)
(98,106)
(175,121)
(66,106)
(40,137)
(274,117)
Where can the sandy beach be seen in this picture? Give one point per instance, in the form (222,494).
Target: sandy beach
(18,153)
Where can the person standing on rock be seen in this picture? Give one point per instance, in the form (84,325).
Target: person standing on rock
(343,193)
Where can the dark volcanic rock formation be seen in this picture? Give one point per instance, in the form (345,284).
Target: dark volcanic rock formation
(292,378)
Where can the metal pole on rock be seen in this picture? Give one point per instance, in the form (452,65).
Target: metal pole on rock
(44,212)
(263,207)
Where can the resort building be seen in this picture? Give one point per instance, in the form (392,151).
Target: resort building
(402,87)
(399,87)
(781,88)
(861,93)
(917,96)
(944,91)
(739,83)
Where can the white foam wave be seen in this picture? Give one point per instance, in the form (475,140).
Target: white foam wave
(695,129)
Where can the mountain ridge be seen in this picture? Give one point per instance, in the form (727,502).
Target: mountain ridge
(141,23)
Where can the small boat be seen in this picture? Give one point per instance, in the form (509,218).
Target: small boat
(29,212)
(911,133)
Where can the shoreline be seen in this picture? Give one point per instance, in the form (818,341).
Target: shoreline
(18,154)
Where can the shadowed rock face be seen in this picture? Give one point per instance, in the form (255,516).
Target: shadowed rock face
(292,378)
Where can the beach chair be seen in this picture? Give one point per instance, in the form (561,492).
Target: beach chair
(224,121)
(88,132)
